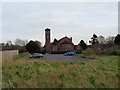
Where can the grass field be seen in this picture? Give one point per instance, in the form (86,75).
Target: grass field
(101,72)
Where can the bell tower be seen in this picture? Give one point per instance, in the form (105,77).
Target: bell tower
(47,40)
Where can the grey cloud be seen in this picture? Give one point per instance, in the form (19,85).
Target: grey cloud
(77,20)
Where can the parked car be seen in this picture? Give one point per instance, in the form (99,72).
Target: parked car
(69,53)
(36,55)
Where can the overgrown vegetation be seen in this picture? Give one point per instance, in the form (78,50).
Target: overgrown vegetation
(21,55)
(101,72)
(100,49)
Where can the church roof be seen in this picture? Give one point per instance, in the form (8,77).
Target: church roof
(66,42)
(55,42)
(63,38)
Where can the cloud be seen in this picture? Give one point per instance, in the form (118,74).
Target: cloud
(77,20)
(0,22)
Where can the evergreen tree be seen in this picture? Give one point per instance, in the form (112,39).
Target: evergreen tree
(94,40)
(83,45)
(33,47)
(117,39)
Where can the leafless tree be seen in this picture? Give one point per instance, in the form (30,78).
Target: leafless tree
(21,42)
(101,40)
(110,40)
(9,43)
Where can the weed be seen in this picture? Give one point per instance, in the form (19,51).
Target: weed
(74,74)
(83,56)
(102,85)
(46,85)
(92,80)
(14,84)
(18,74)
(72,63)
(27,77)
(62,76)
(21,55)
(55,64)
(61,85)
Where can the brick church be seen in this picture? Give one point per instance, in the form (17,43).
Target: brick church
(63,45)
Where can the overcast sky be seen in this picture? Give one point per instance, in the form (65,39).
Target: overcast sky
(78,20)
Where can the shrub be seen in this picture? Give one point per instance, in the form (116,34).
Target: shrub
(113,50)
(104,49)
(22,49)
(97,49)
(79,51)
(42,51)
(83,56)
(117,52)
(88,52)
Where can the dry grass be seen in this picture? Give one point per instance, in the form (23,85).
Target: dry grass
(101,72)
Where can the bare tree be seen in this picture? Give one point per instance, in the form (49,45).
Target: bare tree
(9,43)
(21,42)
(110,40)
(101,40)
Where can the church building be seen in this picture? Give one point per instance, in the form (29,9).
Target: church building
(65,44)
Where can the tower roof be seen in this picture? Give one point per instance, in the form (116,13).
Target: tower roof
(47,29)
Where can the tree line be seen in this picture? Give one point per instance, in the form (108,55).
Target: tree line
(35,46)
(100,45)
(18,44)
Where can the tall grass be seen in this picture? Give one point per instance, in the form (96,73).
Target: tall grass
(22,55)
(101,72)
